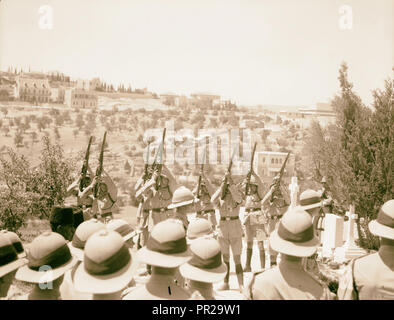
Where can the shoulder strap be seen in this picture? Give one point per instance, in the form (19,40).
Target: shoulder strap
(354,279)
(250,287)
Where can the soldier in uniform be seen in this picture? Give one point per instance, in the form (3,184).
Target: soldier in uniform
(183,203)
(10,261)
(108,266)
(294,239)
(143,210)
(371,277)
(274,208)
(205,208)
(312,202)
(199,228)
(77,246)
(49,258)
(204,268)
(228,199)
(158,192)
(254,220)
(107,195)
(165,251)
(83,205)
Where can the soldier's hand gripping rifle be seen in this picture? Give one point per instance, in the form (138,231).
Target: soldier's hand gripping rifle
(249,175)
(225,183)
(158,163)
(147,175)
(276,183)
(99,171)
(140,217)
(82,183)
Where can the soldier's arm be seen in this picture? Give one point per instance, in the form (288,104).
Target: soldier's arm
(260,186)
(267,196)
(73,186)
(138,184)
(87,191)
(212,219)
(215,199)
(208,185)
(235,193)
(194,191)
(173,185)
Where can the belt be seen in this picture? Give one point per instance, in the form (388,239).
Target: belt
(146,210)
(252,209)
(83,206)
(275,217)
(229,218)
(200,213)
(159,209)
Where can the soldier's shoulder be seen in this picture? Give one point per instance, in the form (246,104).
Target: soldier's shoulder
(265,277)
(135,293)
(366,261)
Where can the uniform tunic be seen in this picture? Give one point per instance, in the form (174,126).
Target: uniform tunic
(288,281)
(372,277)
(255,221)
(205,208)
(159,287)
(230,228)
(157,201)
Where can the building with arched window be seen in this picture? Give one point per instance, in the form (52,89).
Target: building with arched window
(269,163)
(33,90)
(79,98)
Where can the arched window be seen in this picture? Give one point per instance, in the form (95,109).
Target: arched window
(272,160)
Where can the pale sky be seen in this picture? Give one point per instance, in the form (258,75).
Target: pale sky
(282,52)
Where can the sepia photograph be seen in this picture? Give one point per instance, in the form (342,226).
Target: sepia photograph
(196,150)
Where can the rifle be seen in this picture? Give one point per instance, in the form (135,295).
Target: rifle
(200,177)
(146,172)
(158,164)
(228,171)
(99,169)
(249,176)
(276,184)
(85,167)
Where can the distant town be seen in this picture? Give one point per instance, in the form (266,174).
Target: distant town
(54,87)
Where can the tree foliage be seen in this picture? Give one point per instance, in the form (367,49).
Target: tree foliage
(32,191)
(356,153)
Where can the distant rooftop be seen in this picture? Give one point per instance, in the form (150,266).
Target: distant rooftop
(205,94)
(272,153)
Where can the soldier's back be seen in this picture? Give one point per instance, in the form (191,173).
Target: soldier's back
(374,275)
(152,292)
(287,283)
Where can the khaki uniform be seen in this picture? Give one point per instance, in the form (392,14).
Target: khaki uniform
(370,277)
(157,201)
(159,287)
(288,281)
(255,219)
(67,290)
(105,206)
(230,228)
(205,208)
(274,211)
(143,213)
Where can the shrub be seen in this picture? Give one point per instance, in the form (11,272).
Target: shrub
(32,191)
